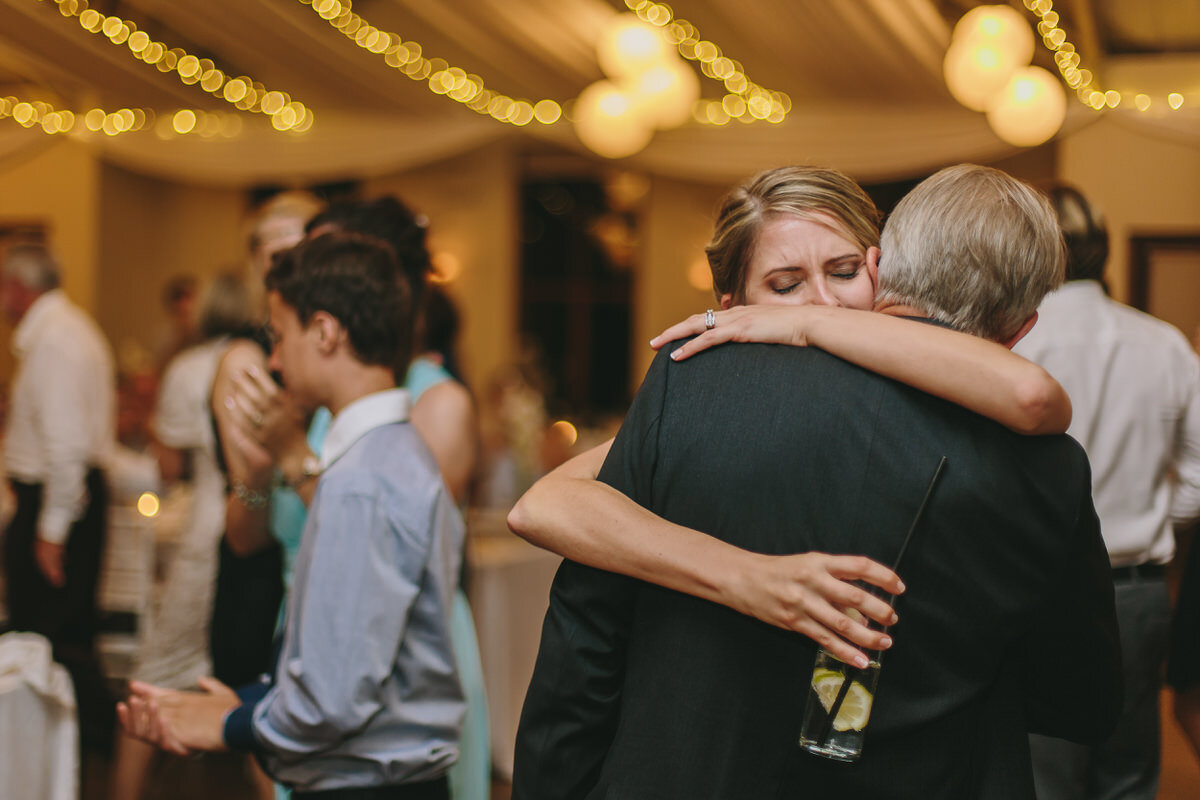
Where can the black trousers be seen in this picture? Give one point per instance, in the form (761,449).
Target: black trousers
(65,615)
(436,789)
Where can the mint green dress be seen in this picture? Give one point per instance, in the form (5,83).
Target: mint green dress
(470,777)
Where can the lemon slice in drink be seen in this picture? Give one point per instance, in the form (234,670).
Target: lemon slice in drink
(856,706)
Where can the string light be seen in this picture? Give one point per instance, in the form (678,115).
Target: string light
(442,77)
(1083,80)
(242,92)
(470,90)
(43,115)
(756,103)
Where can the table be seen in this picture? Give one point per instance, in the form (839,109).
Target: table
(509,590)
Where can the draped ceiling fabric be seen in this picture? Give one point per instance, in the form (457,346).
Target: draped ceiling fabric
(864,77)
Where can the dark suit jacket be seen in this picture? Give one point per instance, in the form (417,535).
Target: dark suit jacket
(1007,624)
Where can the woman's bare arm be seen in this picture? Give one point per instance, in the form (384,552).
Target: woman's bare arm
(248,466)
(983,376)
(445,418)
(571,513)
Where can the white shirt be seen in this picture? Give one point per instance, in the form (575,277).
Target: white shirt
(1134,383)
(62,416)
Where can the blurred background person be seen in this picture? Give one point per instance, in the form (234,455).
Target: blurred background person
(177,651)
(1134,384)
(1183,665)
(61,429)
(179,306)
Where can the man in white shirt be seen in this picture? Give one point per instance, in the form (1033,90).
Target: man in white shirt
(60,431)
(1134,384)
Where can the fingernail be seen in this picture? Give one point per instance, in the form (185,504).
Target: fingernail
(860,662)
(229,403)
(886,642)
(675,355)
(895,618)
(902,586)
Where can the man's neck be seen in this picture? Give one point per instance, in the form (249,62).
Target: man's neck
(898,310)
(351,381)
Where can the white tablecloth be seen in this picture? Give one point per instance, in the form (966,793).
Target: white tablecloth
(510,585)
(39,735)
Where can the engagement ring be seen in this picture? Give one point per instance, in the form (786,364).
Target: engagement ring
(710,319)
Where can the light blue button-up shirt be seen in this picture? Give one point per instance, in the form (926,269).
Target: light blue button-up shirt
(366,692)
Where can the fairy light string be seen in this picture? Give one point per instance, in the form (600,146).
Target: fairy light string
(1077,75)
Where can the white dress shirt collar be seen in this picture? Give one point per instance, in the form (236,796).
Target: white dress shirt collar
(360,417)
(26,332)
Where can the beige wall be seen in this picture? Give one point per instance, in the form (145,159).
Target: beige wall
(57,187)
(1144,183)
(675,224)
(150,231)
(471,202)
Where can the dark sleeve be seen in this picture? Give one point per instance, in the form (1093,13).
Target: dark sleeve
(1072,660)
(572,707)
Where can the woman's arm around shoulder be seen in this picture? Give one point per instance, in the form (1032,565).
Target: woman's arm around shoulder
(981,375)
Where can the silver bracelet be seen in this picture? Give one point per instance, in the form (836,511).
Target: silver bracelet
(252,499)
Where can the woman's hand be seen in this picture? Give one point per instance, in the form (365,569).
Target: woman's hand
(267,425)
(773,324)
(813,594)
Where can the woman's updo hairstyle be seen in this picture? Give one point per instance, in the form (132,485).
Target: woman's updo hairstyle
(804,192)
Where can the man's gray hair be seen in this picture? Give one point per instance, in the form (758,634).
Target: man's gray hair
(974,248)
(32,266)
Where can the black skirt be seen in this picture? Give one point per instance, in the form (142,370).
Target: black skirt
(245,612)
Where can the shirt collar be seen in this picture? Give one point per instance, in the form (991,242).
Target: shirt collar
(41,309)
(359,418)
(1079,287)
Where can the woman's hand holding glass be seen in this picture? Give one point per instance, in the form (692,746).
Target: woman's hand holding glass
(814,594)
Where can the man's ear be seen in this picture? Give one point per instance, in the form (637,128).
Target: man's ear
(1020,334)
(328,331)
(726,301)
(873,266)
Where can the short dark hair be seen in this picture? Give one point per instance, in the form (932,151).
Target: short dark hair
(177,288)
(1084,232)
(357,280)
(389,219)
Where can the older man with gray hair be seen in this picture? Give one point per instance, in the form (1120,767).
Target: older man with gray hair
(61,424)
(1007,624)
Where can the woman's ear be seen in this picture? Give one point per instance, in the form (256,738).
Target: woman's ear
(726,301)
(873,266)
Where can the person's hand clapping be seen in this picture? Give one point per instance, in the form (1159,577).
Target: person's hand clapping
(178,722)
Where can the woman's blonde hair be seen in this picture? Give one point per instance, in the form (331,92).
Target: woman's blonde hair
(804,192)
(225,306)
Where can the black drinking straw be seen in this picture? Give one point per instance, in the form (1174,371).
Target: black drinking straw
(851,672)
